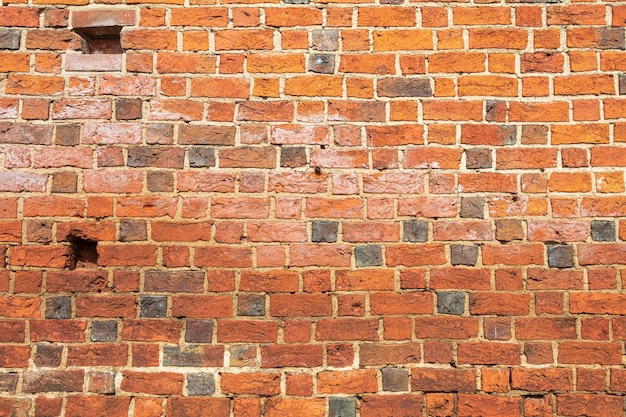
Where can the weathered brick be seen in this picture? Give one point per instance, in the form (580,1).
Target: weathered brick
(200,384)
(560,256)
(10,39)
(463,255)
(48,355)
(58,308)
(473,207)
(395,379)
(478,158)
(154,306)
(414,231)
(370,255)
(324,231)
(603,231)
(451,303)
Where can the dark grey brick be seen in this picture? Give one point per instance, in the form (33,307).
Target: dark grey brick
(463,254)
(292,157)
(199,331)
(250,305)
(128,109)
(324,232)
(325,39)
(104,331)
(322,63)
(67,135)
(133,230)
(622,84)
(560,256)
(8,382)
(369,255)
(341,407)
(200,384)
(10,39)
(160,181)
(611,38)
(404,87)
(495,110)
(59,308)
(414,231)
(153,306)
(192,355)
(395,379)
(473,207)
(151,156)
(49,355)
(201,157)
(477,158)
(451,302)
(603,231)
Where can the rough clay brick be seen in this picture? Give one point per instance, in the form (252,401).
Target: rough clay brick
(370,255)
(153,306)
(415,231)
(451,302)
(560,256)
(200,384)
(103,331)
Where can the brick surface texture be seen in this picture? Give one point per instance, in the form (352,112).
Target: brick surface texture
(289,208)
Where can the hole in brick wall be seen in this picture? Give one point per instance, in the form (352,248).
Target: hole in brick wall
(101,40)
(83,253)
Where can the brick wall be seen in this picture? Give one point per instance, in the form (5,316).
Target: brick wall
(312,209)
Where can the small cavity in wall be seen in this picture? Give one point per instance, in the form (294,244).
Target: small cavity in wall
(100,30)
(83,253)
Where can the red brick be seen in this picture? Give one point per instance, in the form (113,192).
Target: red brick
(156,383)
(189,406)
(487,406)
(441,379)
(255,383)
(592,405)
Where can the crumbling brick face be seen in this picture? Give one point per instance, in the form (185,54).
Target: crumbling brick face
(298,208)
